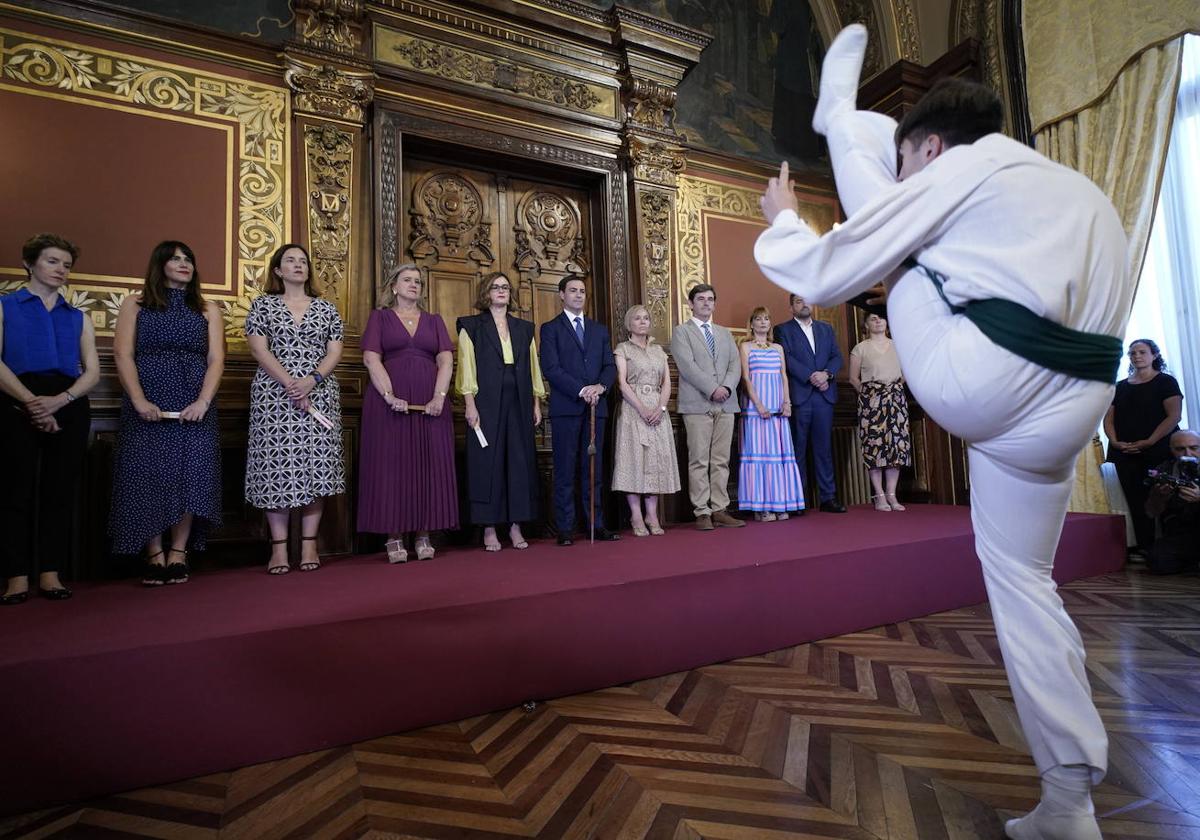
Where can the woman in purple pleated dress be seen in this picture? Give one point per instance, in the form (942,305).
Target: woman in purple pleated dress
(406,464)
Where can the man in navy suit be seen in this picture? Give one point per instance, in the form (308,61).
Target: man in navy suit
(577,360)
(812,356)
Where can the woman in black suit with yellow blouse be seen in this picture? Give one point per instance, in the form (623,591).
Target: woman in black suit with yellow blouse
(501,382)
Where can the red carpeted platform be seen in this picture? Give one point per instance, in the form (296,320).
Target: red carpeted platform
(123,687)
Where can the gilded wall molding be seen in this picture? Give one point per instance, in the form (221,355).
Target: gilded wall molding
(909,32)
(649,105)
(455,64)
(328,176)
(654,224)
(394,123)
(329,91)
(333,26)
(654,161)
(698,198)
(259,171)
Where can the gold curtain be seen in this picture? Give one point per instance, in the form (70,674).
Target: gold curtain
(1120,142)
(1074,49)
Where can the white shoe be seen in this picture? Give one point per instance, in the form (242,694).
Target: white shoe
(1040,825)
(840,73)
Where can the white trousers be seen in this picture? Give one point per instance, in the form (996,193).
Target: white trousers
(1024,426)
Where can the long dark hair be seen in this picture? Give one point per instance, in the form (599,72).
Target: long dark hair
(154,291)
(274,285)
(1158,365)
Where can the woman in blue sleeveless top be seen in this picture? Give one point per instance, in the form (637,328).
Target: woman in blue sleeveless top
(47,366)
(170,351)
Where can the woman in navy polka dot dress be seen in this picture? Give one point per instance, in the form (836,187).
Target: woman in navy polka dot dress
(169,348)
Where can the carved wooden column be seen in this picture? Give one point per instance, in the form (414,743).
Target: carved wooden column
(655,60)
(333,85)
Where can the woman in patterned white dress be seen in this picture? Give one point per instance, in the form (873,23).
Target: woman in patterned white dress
(294,458)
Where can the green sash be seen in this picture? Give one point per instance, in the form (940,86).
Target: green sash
(1039,340)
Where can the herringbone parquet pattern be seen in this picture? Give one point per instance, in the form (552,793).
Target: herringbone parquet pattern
(902,732)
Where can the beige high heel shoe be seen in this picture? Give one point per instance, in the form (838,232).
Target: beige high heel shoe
(895,505)
(396,552)
(424,549)
(881,503)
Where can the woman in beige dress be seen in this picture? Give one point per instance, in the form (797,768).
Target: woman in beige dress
(645,459)
(882,411)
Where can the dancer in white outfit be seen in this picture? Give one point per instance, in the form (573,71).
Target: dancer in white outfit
(977,219)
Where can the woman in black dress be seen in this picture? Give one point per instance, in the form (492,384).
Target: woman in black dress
(47,366)
(169,348)
(1145,411)
(501,381)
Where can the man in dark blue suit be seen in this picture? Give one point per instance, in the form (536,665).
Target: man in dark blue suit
(812,356)
(577,360)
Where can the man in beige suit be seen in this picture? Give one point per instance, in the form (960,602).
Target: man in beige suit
(709,372)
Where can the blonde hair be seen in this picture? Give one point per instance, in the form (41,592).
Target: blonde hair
(758,310)
(630,312)
(387,295)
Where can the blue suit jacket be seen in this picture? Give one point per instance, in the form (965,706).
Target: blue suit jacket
(569,368)
(802,359)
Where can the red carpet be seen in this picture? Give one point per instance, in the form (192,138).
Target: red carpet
(123,687)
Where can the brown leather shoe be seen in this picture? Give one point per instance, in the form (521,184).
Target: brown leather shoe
(722,519)
(704,522)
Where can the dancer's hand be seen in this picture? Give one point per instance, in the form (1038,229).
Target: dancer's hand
(779,195)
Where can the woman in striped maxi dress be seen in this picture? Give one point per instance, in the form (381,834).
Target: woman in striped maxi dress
(768,480)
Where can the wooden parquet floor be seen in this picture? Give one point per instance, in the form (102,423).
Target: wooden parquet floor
(904,732)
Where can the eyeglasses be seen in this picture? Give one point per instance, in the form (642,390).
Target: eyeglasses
(496,287)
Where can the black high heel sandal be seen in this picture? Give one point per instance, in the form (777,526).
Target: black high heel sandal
(311,565)
(278,570)
(177,572)
(154,574)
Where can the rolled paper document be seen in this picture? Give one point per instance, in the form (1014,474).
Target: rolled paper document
(413,407)
(169,415)
(482,439)
(320,418)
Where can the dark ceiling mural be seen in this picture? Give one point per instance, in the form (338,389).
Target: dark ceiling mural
(752,94)
(754,90)
(269,21)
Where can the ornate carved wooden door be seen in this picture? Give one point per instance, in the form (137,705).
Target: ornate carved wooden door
(460,224)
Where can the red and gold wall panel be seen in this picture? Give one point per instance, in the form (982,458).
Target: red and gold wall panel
(717,222)
(118,149)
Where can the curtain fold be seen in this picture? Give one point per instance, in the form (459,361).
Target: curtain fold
(1074,49)
(1120,142)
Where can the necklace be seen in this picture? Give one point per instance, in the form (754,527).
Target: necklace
(762,345)
(410,321)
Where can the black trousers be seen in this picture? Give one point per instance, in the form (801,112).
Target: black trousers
(41,474)
(570,436)
(1131,473)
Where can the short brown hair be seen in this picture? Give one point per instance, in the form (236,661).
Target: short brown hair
(34,245)
(274,286)
(483,300)
(700,288)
